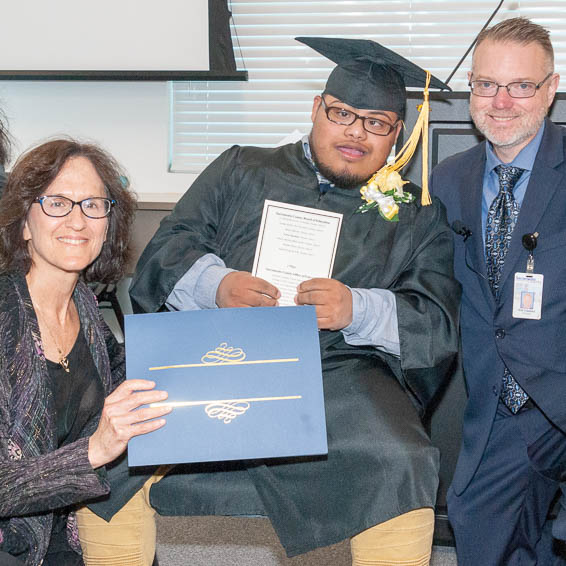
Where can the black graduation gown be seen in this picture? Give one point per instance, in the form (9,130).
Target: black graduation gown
(380,462)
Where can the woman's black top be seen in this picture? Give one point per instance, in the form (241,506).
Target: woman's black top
(78,396)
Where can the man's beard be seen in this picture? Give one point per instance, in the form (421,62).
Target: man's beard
(527,128)
(343,179)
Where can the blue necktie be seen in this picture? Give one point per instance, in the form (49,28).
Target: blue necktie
(501,219)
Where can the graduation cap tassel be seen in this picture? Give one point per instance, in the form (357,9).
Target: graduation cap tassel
(406,152)
(388,183)
(424,112)
(384,178)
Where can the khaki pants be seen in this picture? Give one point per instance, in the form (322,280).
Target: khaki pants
(405,540)
(128,539)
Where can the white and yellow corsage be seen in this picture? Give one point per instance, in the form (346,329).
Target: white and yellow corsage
(384,191)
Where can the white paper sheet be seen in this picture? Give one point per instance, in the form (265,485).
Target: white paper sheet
(295,244)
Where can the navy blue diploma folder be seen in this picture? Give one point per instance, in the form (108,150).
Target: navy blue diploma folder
(244,383)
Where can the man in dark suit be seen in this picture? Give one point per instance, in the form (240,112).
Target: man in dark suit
(505,197)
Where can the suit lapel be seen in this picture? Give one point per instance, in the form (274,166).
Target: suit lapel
(472,192)
(543,183)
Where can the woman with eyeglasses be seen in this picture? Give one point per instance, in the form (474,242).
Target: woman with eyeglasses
(65,410)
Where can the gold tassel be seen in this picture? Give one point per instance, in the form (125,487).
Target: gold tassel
(406,152)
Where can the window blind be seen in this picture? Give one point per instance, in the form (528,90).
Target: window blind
(284,75)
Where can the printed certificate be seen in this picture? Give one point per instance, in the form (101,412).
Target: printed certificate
(244,383)
(295,243)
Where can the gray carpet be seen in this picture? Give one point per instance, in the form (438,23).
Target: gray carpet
(228,541)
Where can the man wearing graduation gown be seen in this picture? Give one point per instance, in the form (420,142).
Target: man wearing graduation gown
(387,319)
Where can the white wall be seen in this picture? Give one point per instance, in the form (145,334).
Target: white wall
(129,119)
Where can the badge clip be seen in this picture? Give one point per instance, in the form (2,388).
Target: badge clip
(530,243)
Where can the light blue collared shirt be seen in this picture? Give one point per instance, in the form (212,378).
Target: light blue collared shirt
(525,160)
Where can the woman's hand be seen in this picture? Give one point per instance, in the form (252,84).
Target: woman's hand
(121,419)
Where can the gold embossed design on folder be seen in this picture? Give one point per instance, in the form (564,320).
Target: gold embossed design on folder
(225,410)
(224,354)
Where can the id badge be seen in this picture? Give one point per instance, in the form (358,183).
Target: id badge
(527,295)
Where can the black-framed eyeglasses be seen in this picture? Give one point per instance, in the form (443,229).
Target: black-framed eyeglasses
(57,206)
(518,89)
(345,117)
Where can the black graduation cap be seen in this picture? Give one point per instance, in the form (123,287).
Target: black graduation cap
(368,75)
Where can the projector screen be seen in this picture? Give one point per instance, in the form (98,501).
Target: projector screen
(114,39)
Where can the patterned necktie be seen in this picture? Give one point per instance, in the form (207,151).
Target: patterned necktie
(501,220)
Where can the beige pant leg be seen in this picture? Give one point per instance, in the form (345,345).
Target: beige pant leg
(405,540)
(128,539)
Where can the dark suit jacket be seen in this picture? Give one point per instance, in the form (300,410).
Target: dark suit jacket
(533,350)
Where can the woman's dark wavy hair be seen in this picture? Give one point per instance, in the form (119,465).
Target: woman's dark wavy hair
(29,178)
(4,143)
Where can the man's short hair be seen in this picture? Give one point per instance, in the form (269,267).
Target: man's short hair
(520,30)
